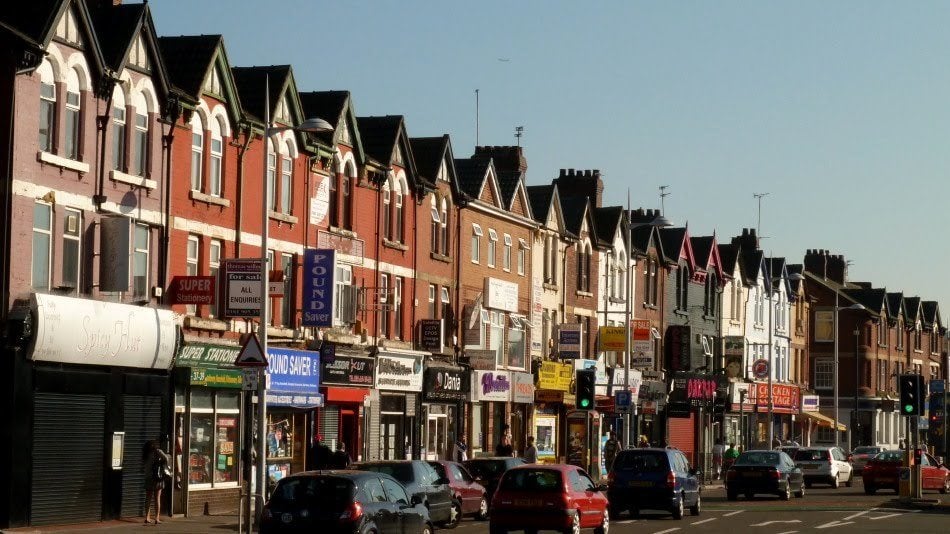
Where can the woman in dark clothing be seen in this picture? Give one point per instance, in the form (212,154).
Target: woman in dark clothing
(504,447)
(154,461)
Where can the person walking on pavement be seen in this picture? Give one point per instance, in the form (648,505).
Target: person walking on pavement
(504,447)
(341,460)
(717,452)
(460,450)
(610,449)
(729,457)
(154,463)
(531,452)
(644,442)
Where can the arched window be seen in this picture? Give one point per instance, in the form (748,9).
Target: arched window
(287,178)
(47,127)
(119,154)
(333,207)
(400,192)
(73,104)
(387,210)
(436,224)
(581,267)
(214,162)
(140,136)
(197,151)
(346,194)
(444,230)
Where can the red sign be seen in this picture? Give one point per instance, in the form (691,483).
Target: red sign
(785,398)
(192,290)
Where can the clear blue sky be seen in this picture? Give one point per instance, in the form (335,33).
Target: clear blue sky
(839,110)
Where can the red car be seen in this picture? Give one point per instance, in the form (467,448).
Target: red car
(467,493)
(548,497)
(883,471)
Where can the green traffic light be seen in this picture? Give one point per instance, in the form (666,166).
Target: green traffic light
(585,403)
(908,408)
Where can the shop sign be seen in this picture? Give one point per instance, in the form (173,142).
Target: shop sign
(491,386)
(348,247)
(733,351)
(347,371)
(649,408)
(612,338)
(320,203)
(191,290)
(569,340)
(554,376)
(206,355)
(810,403)
(481,359)
(94,332)
(633,384)
(690,390)
(445,384)
(653,390)
(547,395)
(319,268)
(430,334)
(398,373)
(784,396)
(642,344)
(501,295)
(217,378)
(522,388)
(294,377)
(241,287)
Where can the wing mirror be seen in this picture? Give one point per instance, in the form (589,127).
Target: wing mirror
(602,487)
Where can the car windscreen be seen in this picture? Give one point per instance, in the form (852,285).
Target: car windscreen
(532,480)
(890,456)
(867,450)
(486,468)
(811,455)
(642,461)
(326,493)
(758,458)
(401,471)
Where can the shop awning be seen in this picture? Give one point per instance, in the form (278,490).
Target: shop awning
(824,420)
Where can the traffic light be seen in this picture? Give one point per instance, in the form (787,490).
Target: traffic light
(586,379)
(911,389)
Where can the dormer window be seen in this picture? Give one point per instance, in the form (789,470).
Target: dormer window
(213,82)
(67,29)
(138,55)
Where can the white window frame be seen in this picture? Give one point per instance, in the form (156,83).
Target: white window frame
(215,252)
(823,317)
(397,307)
(506,253)
(197,153)
(47,116)
(72,236)
(522,256)
(138,252)
(286,183)
(476,243)
(120,155)
(344,277)
(824,374)
(192,254)
(48,232)
(73,113)
(492,247)
(433,313)
(216,159)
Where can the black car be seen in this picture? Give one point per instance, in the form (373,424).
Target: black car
(421,480)
(653,479)
(343,502)
(488,471)
(771,472)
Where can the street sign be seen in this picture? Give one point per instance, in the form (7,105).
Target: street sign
(622,399)
(251,355)
(250,380)
(760,368)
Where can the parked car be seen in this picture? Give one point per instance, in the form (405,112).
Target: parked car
(488,471)
(469,495)
(883,471)
(422,481)
(350,502)
(861,455)
(826,465)
(790,450)
(548,497)
(771,472)
(653,479)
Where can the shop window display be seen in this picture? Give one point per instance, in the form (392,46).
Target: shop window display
(214,449)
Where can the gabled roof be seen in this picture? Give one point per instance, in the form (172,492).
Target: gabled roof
(706,254)
(381,136)
(608,220)
(575,210)
(874,299)
(334,107)
(644,236)
(912,309)
(931,312)
(429,153)
(676,244)
(753,266)
(776,269)
(188,60)
(251,83)
(471,175)
(540,197)
(895,303)
(729,256)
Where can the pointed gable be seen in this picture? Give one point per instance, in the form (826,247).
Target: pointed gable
(385,140)
(609,221)
(519,203)
(540,197)
(471,176)
(127,39)
(335,107)
(676,245)
(198,65)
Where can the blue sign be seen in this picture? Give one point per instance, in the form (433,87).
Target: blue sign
(622,399)
(938,386)
(319,267)
(294,378)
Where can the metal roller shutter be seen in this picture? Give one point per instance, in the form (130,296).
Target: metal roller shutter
(682,435)
(330,425)
(142,422)
(67,458)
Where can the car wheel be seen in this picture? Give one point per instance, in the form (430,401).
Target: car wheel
(732,495)
(455,516)
(698,507)
(482,510)
(678,508)
(834,482)
(787,494)
(426,529)
(850,481)
(801,492)
(870,490)
(604,524)
(575,527)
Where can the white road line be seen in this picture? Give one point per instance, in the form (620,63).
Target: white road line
(852,516)
(883,516)
(835,524)
(667,530)
(767,523)
(704,521)
(733,513)
(788,532)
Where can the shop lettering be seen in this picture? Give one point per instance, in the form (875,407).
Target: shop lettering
(319,282)
(393,367)
(450,382)
(284,364)
(697,388)
(119,339)
(494,384)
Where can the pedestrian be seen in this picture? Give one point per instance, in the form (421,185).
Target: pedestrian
(531,452)
(717,452)
(776,442)
(340,459)
(611,446)
(321,457)
(644,442)
(504,447)
(155,463)
(460,450)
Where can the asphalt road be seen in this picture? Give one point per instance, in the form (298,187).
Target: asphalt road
(842,510)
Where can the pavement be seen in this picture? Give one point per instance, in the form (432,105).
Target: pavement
(180,524)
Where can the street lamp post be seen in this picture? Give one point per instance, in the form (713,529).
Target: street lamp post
(855,306)
(854,409)
(312,125)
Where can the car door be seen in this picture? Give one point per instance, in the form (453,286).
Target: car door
(927,475)
(376,504)
(408,519)
(471,493)
(690,483)
(579,496)
(795,477)
(845,466)
(596,502)
(439,496)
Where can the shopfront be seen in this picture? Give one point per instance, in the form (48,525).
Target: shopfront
(92,388)
(207,429)
(786,404)
(553,384)
(445,388)
(393,405)
(522,401)
(346,378)
(491,392)
(688,416)
(293,393)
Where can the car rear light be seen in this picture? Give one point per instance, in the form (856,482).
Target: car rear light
(671,480)
(355,511)
(776,474)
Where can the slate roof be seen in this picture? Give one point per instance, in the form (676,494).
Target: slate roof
(874,299)
(751,265)
(508,183)
(539,196)
(32,19)
(428,153)
(931,314)
(574,209)
(672,239)
(607,220)
(379,135)
(327,105)
(729,256)
(641,237)
(187,58)
(702,248)
(115,27)
(471,174)
(895,303)
(251,81)
(911,308)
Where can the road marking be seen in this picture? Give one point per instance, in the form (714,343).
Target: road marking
(883,516)
(852,516)
(767,523)
(835,524)
(788,532)
(667,530)
(733,513)
(704,521)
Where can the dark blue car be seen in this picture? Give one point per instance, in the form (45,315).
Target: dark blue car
(653,479)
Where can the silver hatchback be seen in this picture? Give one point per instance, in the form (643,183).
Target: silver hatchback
(824,465)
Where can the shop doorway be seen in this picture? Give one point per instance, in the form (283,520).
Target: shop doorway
(437,430)
(390,442)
